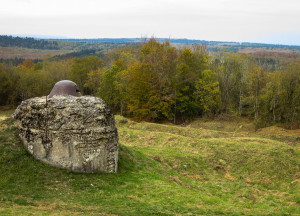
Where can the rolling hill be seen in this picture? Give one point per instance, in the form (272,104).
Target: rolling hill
(205,168)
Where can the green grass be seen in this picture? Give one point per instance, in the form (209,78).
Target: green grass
(163,170)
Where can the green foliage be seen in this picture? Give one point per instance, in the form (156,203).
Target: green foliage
(81,68)
(249,90)
(149,82)
(208,93)
(158,82)
(290,100)
(94,80)
(108,90)
(28,81)
(6,85)
(231,70)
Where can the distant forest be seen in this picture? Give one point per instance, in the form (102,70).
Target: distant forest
(178,41)
(156,81)
(27,42)
(30,42)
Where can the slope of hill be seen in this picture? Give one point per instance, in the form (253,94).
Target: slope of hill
(37,48)
(163,170)
(27,53)
(20,48)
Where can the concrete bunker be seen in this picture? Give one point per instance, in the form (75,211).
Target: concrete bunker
(68,131)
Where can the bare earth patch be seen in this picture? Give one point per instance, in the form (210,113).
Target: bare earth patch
(2,118)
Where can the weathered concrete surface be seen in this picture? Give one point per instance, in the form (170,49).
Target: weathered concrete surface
(77,133)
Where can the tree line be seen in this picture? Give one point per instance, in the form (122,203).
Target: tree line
(27,42)
(159,82)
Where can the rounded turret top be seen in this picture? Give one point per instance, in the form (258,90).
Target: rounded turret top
(64,87)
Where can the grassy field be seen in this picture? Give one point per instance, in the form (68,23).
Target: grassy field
(206,168)
(26,53)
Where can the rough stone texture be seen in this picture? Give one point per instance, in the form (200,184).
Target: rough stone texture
(77,133)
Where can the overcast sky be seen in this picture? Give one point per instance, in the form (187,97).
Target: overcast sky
(270,21)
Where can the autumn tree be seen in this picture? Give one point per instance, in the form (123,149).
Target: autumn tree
(257,81)
(290,82)
(80,69)
(191,64)
(271,108)
(94,80)
(207,93)
(150,89)
(108,89)
(28,82)
(6,85)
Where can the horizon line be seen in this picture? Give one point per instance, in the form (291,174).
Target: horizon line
(53,37)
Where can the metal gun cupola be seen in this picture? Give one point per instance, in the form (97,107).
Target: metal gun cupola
(65,87)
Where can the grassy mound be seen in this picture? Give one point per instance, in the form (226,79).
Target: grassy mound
(163,170)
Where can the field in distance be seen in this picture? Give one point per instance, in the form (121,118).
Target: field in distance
(27,53)
(16,47)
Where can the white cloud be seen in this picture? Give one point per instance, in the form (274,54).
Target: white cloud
(231,20)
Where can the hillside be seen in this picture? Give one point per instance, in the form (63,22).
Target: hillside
(39,48)
(27,53)
(206,168)
(12,48)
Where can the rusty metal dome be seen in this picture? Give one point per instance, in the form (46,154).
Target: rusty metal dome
(64,87)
